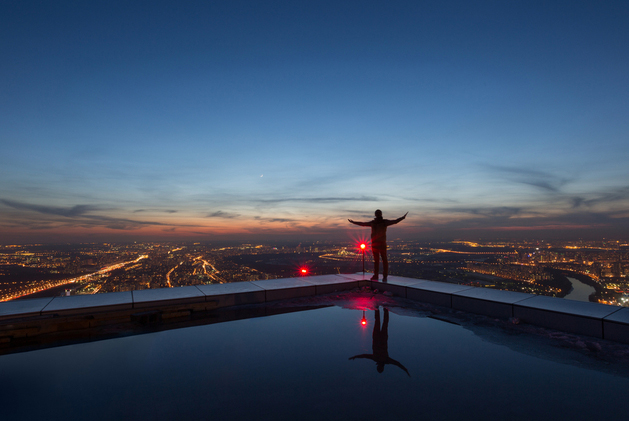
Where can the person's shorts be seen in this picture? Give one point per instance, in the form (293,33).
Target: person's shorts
(379,247)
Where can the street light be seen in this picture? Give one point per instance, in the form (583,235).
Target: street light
(362,248)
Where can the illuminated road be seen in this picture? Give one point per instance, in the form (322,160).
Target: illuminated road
(473,252)
(169,273)
(53,284)
(213,271)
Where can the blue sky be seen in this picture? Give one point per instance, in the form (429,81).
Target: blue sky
(236,119)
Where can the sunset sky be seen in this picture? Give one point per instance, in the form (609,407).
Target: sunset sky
(199,120)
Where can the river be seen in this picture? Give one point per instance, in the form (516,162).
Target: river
(580,291)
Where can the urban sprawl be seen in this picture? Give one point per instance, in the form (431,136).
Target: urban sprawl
(538,267)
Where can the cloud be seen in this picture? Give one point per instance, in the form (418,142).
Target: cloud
(490,212)
(603,198)
(74,211)
(569,224)
(155,210)
(481,220)
(429,200)
(42,227)
(540,179)
(259,218)
(577,202)
(118,223)
(320,199)
(79,216)
(221,214)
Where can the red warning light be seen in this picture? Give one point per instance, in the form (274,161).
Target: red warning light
(303,271)
(362,246)
(363,321)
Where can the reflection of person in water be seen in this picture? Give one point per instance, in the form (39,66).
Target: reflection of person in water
(379,242)
(380,347)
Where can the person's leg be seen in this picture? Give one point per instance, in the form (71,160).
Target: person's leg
(377,322)
(376,263)
(385,266)
(385,324)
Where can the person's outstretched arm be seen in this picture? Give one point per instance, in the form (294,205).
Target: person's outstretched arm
(362,224)
(400,219)
(398,364)
(368,356)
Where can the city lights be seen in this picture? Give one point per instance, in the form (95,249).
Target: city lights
(524,266)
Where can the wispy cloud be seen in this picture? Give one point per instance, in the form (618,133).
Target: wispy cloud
(221,214)
(602,198)
(320,199)
(490,212)
(77,210)
(118,223)
(540,179)
(346,211)
(80,216)
(156,210)
(260,218)
(566,222)
(429,200)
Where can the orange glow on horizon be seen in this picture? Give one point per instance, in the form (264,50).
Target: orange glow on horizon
(539,227)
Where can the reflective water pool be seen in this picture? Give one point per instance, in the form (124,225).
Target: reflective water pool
(315,364)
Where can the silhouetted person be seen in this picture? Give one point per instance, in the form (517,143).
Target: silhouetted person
(379,242)
(380,346)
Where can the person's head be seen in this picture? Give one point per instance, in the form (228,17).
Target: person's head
(378,213)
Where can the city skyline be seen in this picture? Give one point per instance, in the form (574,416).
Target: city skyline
(576,270)
(194,121)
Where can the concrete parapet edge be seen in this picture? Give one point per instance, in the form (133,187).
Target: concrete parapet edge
(591,319)
(616,326)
